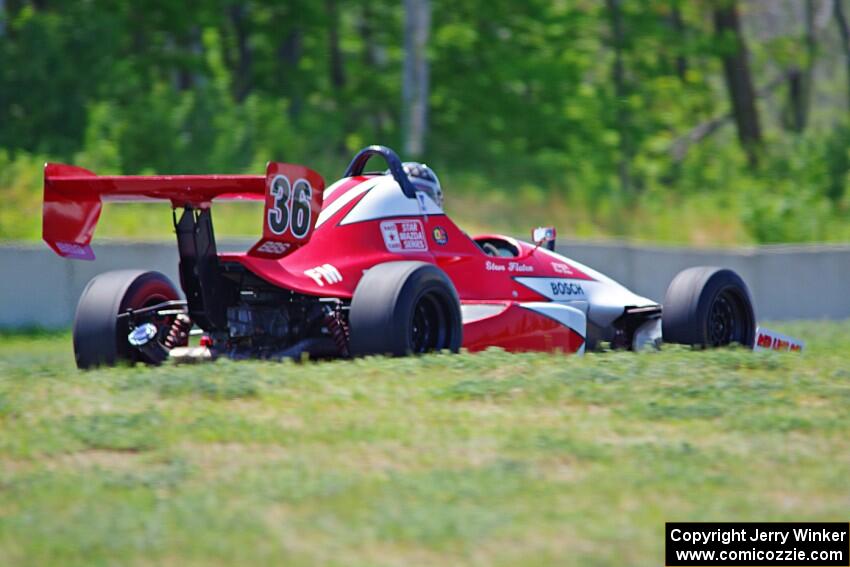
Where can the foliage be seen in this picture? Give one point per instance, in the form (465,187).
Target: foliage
(485,459)
(524,109)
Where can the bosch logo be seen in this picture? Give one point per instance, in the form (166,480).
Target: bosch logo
(566,288)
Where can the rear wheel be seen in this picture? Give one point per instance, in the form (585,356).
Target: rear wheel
(708,307)
(404,308)
(100,336)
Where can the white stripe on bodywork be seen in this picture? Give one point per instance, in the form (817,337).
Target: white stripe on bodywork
(606,297)
(386,200)
(556,289)
(564,314)
(344,199)
(476,311)
(330,190)
(597,276)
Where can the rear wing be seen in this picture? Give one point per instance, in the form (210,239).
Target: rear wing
(73,199)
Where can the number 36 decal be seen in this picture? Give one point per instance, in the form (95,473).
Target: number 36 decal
(293,202)
(290,204)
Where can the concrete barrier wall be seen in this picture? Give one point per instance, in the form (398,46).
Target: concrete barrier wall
(40,289)
(787,282)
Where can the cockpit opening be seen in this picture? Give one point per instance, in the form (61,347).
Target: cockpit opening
(498,247)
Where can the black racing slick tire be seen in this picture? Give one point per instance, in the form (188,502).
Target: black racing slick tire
(100,337)
(402,308)
(708,307)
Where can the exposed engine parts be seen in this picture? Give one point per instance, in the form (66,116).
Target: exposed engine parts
(268,323)
(246,322)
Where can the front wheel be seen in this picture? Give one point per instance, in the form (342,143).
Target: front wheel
(404,308)
(708,307)
(100,336)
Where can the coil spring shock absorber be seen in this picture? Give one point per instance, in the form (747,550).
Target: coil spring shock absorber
(338,327)
(178,334)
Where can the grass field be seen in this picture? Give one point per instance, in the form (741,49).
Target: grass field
(489,459)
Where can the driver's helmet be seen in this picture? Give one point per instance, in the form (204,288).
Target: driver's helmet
(424,179)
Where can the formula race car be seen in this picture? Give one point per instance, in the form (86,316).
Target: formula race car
(369,265)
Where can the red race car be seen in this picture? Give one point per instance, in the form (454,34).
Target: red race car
(369,265)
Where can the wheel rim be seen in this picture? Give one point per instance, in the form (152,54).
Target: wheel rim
(428,330)
(162,324)
(727,320)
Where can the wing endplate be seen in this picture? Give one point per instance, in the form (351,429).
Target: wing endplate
(73,199)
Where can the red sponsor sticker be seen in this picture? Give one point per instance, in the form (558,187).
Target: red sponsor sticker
(770,340)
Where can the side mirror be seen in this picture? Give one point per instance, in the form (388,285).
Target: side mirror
(544,236)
